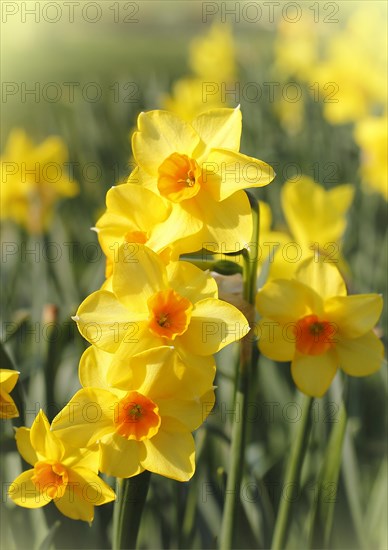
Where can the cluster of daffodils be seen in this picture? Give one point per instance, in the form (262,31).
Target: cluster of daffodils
(156,323)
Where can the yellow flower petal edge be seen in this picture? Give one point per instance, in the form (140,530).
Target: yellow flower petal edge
(8,380)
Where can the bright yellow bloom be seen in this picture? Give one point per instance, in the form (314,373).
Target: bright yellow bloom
(312,322)
(153,305)
(8,379)
(134,215)
(32,180)
(66,475)
(371,134)
(197,168)
(142,412)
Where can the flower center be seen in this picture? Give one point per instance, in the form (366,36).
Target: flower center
(180,178)
(313,336)
(140,237)
(50,478)
(170,313)
(137,417)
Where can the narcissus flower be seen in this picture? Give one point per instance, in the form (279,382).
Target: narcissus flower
(141,414)
(60,473)
(198,170)
(8,379)
(33,178)
(312,322)
(134,215)
(152,305)
(212,57)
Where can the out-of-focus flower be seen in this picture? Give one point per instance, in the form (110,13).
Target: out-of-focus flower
(371,134)
(153,305)
(212,57)
(33,178)
(147,411)
(312,322)
(198,170)
(61,473)
(8,379)
(212,60)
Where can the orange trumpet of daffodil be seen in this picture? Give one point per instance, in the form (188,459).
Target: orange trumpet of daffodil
(312,322)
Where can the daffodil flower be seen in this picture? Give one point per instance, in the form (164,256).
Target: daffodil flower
(33,178)
(198,170)
(8,379)
(153,305)
(142,415)
(60,473)
(312,322)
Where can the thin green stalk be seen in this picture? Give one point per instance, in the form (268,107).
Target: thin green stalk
(250,257)
(128,509)
(292,476)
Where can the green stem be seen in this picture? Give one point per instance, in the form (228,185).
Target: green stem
(292,476)
(242,387)
(128,508)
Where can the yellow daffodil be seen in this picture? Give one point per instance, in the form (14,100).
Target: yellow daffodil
(134,215)
(141,412)
(198,170)
(32,180)
(371,134)
(60,473)
(192,97)
(8,379)
(152,305)
(312,322)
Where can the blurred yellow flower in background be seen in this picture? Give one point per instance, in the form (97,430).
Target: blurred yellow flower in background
(61,473)
(33,178)
(311,321)
(212,60)
(8,379)
(371,135)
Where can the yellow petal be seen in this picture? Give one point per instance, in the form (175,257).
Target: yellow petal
(24,492)
(190,413)
(323,277)
(103,320)
(84,491)
(313,374)
(8,408)
(93,368)
(138,275)
(227,225)
(361,356)
(86,418)
(214,324)
(44,441)
(8,379)
(24,445)
(286,301)
(220,128)
(342,196)
(226,172)
(354,316)
(191,282)
(121,457)
(171,452)
(181,228)
(276,340)
(82,458)
(138,339)
(160,134)
(199,371)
